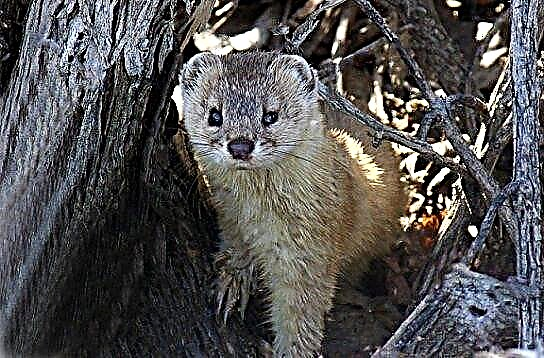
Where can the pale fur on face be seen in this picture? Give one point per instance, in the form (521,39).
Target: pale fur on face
(242,87)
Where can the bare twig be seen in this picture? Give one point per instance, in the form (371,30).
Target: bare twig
(496,146)
(382,131)
(499,131)
(413,66)
(500,102)
(498,25)
(487,223)
(308,26)
(363,52)
(475,167)
(369,49)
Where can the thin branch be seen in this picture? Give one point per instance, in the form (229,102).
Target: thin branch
(381,131)
(478,243)
(413,66)
(500,102)
(307,27)
(369,49)
(363,52)
(475,167)
(496,146)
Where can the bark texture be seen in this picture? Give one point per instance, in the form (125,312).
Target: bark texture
(104,243)
(469,312)
(526,37)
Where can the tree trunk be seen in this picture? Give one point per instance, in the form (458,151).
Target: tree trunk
(104,242)
(524,51)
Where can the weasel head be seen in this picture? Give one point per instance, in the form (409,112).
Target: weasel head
(251,110)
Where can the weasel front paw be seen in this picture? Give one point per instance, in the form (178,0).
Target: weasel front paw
(236,281)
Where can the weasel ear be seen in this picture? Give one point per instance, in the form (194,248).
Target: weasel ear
(197,66)
(298,68)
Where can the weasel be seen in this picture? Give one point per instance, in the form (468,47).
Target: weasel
(295,200)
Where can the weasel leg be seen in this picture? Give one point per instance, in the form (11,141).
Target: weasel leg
(298,306)
(236,281)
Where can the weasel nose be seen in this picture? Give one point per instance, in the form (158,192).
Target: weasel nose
(241,148)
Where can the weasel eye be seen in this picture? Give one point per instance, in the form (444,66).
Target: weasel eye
(215,119)
(270,118)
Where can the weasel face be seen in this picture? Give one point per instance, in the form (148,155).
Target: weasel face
(251,110)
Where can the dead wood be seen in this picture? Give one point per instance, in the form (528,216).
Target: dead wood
(468,312)
(527,29)
(104,242)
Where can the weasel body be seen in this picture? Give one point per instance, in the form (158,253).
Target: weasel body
(295,200)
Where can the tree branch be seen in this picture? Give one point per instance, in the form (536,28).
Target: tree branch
(307,27)
(413,67)
(487,223)
(440,109)
(381,131)
(525,42)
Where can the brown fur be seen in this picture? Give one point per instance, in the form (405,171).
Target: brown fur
(307,203)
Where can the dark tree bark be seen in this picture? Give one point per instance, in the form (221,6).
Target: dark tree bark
(104,242)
